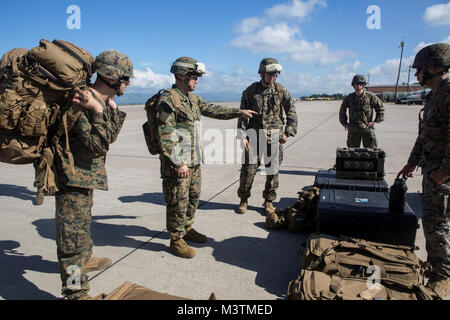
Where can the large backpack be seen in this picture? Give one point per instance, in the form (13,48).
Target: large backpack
(150,127)
(344,268)
(34,86)
(316,285)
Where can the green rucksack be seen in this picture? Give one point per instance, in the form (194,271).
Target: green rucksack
(150,127)
(34,85)
(299,217)
(344,268)
(316,285)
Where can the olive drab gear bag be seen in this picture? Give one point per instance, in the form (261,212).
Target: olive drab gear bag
(345,268)
(299,217)
(316,285)
(150,127)
(34,84)
(132,291)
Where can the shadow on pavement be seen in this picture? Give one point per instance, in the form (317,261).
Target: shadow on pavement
(415,202)
(153,197)
(298,173)
(13,266)
(274,259)
(106,234)
(9,190)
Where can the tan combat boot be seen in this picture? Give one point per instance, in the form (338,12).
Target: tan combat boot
(242,209)
(95,264)
(194,236)
(441,286)
(181,249)
(268,206)
(39,197)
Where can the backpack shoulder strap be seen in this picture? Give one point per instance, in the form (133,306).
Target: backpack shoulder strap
(280,90)
(177,101)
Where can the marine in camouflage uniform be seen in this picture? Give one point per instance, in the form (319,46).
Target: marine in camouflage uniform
(80,171)
(179,113)
(271,101)
(361,105)
(432,150)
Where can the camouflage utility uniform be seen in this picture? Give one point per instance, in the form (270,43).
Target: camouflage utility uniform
(270,103)
(89,142)
(360,109)
(179,115)
(81,169)
(433,148)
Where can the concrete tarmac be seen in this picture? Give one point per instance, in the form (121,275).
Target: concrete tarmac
(242,259)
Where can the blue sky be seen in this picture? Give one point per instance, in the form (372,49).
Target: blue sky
(320,43)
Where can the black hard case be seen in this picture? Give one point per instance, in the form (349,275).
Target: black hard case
(327,179)
(365,215)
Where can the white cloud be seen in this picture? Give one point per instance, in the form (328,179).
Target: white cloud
(348,67)
(387,72)
(317,52)
(296,9)
(438,15)
(446,40)
(248,25)
(423,44)
(277,31)
(148,79)
(279,39)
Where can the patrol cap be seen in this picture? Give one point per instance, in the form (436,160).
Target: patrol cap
(113,64)
(185,65)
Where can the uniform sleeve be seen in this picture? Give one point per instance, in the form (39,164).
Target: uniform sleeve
(445,165)
(416,153)
(167,128)
(117,120)
(343,112)
(91,131)
(379,108)
(291,115)
(218,112)
(242,124)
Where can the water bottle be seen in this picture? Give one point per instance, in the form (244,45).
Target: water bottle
(397,196)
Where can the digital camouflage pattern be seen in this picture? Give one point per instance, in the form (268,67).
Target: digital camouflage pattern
(435,55)
(249,170)
(113,64)
(271,103)
(89,138)
(73,238)
(89,142)
(179,115)
(186,65)
(432,147)
(360,111)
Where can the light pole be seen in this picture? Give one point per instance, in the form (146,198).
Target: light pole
(402,44)
(409,74)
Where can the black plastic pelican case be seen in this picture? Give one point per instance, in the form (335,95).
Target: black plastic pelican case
(365,215)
